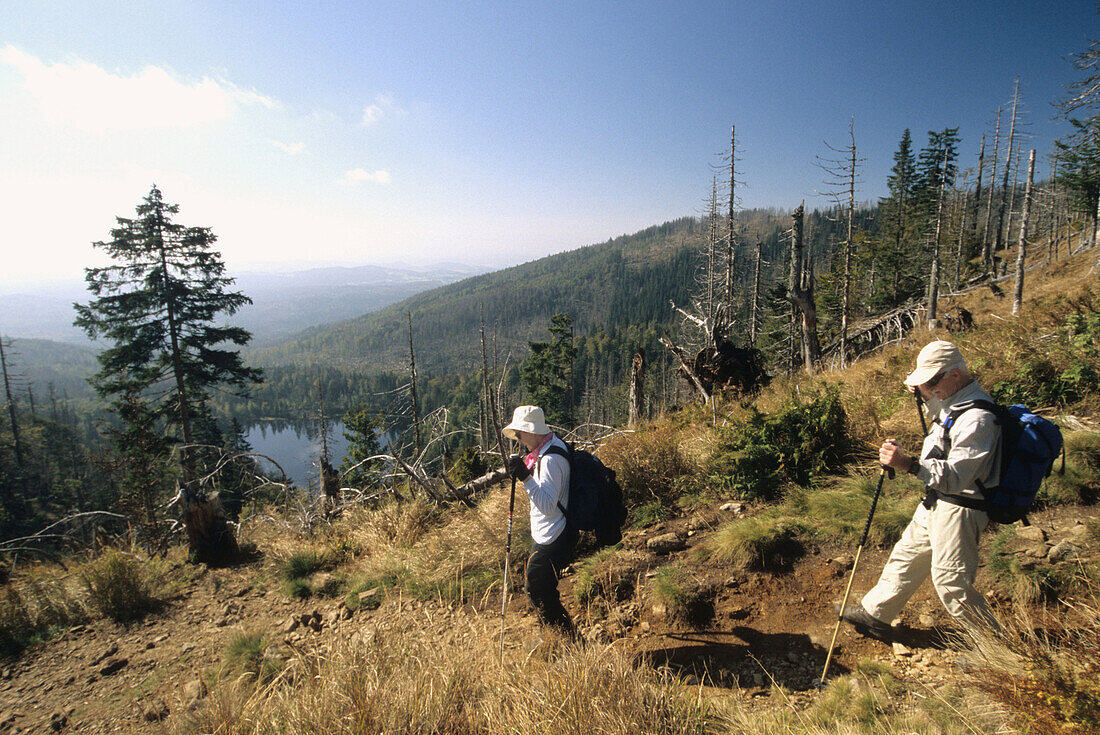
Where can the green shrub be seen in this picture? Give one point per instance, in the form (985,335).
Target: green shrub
(298,588)
(1057,374)
(763,542)
(602,580)
(798,444)
(648,514)
(302,564)
(838,512)
(648,465)
(249,652)
(118,587)
(468,465)
(1080,481)
(683,598)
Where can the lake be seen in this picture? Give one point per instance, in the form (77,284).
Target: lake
(296,448)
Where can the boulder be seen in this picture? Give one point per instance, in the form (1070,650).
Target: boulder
(665,543)
(113,665)
(155,711)
(1031,533)
(1061,551)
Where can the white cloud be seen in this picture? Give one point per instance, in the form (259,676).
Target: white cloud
(383,106)
(359,175)
(372,114)
(290,148)
(81,95)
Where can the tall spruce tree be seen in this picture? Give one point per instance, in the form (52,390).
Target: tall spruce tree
(937,165)
(158,304)
(898,280)
(548,371)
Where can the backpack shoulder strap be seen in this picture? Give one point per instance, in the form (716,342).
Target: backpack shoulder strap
(555,449)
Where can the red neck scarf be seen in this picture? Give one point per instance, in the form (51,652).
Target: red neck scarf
(533,457)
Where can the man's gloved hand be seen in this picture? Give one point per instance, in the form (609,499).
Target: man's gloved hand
(517,467)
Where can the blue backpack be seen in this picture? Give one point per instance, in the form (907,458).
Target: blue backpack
(595,498)
(1029,446)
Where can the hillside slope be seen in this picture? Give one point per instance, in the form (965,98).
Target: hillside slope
(403,631)
(630,278)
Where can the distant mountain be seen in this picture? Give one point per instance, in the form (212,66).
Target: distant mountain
(625,282)
(284,303)
(40,363)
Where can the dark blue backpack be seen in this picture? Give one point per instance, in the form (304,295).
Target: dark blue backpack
(1029,446)
(595,498)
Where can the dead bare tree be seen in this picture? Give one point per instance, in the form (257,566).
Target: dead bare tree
(841,176)
(412,389)
(731,243)
(987,243)
(637,388)
(999,242)
(1021,253)
(800,292)
(11,405)
(754,308)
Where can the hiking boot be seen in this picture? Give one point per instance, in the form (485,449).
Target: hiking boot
(865,623)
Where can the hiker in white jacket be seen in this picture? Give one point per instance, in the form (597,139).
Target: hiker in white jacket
(941,541)
(546,479)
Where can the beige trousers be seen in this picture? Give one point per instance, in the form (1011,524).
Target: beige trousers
(941,543)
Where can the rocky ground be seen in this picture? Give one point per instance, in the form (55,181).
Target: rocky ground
(761,630)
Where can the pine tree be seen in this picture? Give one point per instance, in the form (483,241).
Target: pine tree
(158,304)
(361,428)
(548,371)
(898,281)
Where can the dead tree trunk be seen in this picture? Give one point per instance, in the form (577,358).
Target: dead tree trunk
(754,313)
(987,243)
(959,240)
(934,277)
(1055,222)
(11,408)
(637,389)
(977,191)
(412,390)
(687,369)
(800,294)
(999,244)
(845,307)
(209,537)
(1021,254)
(330,489)
(730,251)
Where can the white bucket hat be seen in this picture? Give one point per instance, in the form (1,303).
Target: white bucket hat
(936,357)
(526,418)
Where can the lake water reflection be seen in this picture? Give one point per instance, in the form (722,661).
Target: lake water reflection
(296,448)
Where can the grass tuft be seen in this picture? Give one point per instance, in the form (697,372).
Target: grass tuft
(763,542)
(118,586)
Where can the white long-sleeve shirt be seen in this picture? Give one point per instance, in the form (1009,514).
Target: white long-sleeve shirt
(975,446)
(547,487)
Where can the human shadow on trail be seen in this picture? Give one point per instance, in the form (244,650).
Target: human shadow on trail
(744,657)
(934,637)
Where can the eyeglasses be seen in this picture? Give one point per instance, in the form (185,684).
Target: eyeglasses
(935,380)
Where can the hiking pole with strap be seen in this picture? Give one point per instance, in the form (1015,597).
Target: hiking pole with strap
(851,578)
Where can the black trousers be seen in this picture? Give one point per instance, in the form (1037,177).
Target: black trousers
(543,567)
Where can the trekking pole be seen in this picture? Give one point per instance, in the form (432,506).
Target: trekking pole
(920,411)
(851,578)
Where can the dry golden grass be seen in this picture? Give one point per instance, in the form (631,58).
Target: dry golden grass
(412,679)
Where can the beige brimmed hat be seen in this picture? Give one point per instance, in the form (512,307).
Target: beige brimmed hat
(935,358)
(526,418)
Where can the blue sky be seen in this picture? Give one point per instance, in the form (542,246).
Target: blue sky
(486,133)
